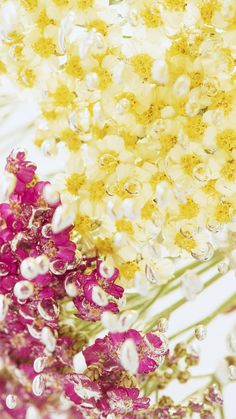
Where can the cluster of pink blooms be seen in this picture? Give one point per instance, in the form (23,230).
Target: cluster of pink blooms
(38,271)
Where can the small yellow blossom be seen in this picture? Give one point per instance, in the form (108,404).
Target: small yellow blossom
(44,47)
(74,183)
(223,212)
(129,269)
(124,225)
(142,65)
(226,140)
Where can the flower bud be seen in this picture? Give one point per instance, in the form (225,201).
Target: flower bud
(38,385)
(4,304)
(29,268)
(127,319)
(23,290)
(11,401)
(48,339)
(63,217)
(129,356)
(79,363)
(8,184)
(232,372)
(40,363)
(200,332)
(99,296)
(50,195)
(42,262)
(49,147)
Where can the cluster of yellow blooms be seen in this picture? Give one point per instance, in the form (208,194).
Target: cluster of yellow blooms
(143,94)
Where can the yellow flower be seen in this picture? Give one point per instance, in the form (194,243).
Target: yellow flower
(189,162)
(223,212)
(44,47)
(129,269)
(195,127)
(74,183)
(125,226)
(142,65)
(151,17)
(186,243)
(74,68)
(189,209)
(62,96)
(226,140)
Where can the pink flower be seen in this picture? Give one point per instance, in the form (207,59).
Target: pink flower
(150,348)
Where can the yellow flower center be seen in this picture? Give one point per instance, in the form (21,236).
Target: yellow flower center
(43,20)
(130,97)
(223,212)
(129,269)
(85,4)
(104,77)
(109,161)
(124,225)
(44,47)
(29,4)
(195,127)
(104,246)
(142,65)
(167,141)
(74,183)
(151,17)
(73,67)
(63,96)
(99,25)
(61,3)
(229,170)
(207,10)
(222,100)
(129,139)
(158,178)
(71,139)
(175,5)
(196,79)
(209,188)
(84,224)
(186,243)
(149,116)
(26,77)
(227,140)
(188,162)
(148,210)
(189,209)
(97,190)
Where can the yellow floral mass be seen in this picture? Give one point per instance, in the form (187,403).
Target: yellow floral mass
(143,95)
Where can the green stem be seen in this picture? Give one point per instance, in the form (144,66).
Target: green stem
(167,312)
(200,376)
(205,321)
(174,287)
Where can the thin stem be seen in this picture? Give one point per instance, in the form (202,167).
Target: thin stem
(200,376)
(173,307)
(209,318)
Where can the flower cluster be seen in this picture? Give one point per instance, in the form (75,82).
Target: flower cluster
(204,406)
(111,364)
(40,272)
(143,96)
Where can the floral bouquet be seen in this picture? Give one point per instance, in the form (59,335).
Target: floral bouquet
(111,252)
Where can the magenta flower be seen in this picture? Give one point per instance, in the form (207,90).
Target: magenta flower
(150,348)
